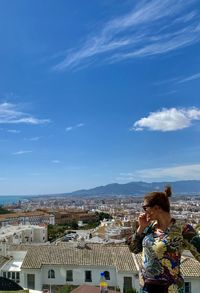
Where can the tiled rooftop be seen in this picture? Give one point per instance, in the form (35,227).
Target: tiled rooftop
(96,255)
(3,260)
(23,214)
(117,256)
(190,267)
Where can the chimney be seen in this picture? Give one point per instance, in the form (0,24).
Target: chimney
(81,243)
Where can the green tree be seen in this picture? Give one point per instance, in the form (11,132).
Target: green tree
(4,211)
(132,290)
(103,215)
(74,224)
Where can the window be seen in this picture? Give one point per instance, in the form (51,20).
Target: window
(51,274)
(107,275)
(88,276)
(17,277)
(69,275)
(127,284)
(13,275)
(187,287)
(31,281)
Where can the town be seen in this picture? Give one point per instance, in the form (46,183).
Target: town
(49,242)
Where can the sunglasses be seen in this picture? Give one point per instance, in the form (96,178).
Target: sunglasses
(145,207)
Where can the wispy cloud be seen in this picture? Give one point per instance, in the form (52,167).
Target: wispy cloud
(70,128)
(35,138)
(11,114)
(153,27)
(178,80)
(180,172)
(75,168)
(80,125)
(22,152)
(13,131)
(55,161)
(190,78)
(168,120)
(168,93)
(36,174)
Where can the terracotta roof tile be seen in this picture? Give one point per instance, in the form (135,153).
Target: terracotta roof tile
(117,256)
(190,267)
(3,260)
(97,255)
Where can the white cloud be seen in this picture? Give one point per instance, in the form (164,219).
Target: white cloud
(56,161)
(74,168)
(69,128)
(190,78)
(35,138)
(36,174)
(80,125)
(10,114)
(167,120)
(181,172)
(22,152)
(178,80)
(13,131)
(153,27)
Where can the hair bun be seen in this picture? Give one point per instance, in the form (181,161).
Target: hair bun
(168,191)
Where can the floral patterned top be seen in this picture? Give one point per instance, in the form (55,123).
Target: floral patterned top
(161,252)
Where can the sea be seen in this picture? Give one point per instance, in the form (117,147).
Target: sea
(11,199)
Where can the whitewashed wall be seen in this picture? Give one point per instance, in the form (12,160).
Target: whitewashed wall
(195,284)
(38,278)
(120,280)
(116,278)
(39,233)
(41,276)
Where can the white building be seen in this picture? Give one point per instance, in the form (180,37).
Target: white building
(23,234)
(32,218)
(37,267)
(48,265)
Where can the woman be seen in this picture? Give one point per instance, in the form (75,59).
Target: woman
(161,240)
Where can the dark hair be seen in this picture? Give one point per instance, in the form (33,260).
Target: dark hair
(159,198)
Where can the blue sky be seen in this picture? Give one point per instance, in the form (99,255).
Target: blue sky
(96,92)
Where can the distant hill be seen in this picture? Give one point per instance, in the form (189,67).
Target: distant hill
(185,187)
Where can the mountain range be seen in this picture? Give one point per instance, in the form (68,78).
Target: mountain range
(184,187)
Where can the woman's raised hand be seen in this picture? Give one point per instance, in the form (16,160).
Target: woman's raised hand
(143,222)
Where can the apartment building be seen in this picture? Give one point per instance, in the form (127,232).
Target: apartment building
(33,218)
(66,216)
(23,234)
